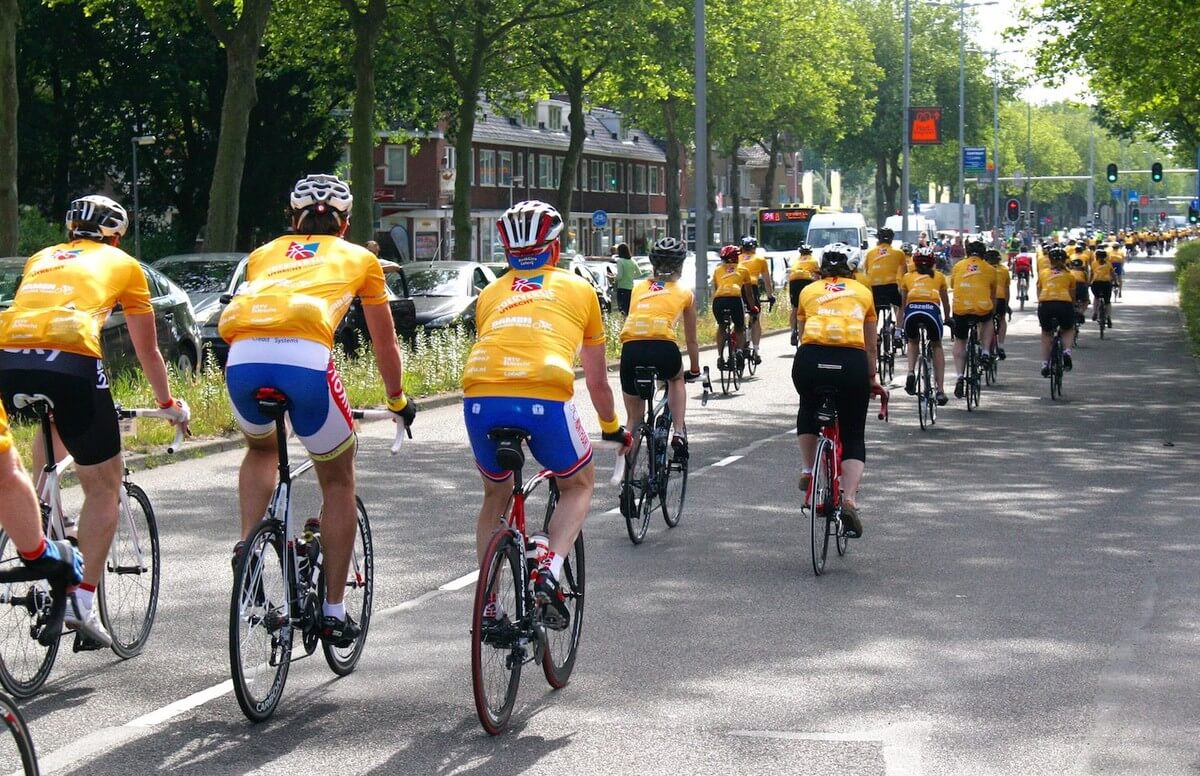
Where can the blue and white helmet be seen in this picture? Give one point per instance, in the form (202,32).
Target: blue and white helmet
(528,231)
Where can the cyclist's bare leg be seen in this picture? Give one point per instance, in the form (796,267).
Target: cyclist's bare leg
(756,332)
(339,521)
(808,451)
(495,505)
(101,485)
(1002,331)
(20,513)
(939,365)
(960,355)
(635,410)
(574,500)
(721,337)
(986,330)
(1047,344)
(256,480)
(676,401)
(852,474)
(911,351)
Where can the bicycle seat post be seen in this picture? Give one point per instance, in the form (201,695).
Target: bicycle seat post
(273,404)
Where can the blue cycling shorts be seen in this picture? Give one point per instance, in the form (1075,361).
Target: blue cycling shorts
(303,371)
(557,437)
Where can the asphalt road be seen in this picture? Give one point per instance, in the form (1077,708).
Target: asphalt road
(1025,601)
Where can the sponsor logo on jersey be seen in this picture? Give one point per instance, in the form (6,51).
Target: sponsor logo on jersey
(525,285)
(657,285)
(835,288)
(66,255)
(300,251)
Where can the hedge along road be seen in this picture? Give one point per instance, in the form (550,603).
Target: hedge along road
(1022,603)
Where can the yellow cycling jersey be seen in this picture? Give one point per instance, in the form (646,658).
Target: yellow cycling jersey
(302,286)
(1056,285)
(1116,255)
(728,278)
(1081,275)
(804,269)
(834,311)
(1102,272)
(756,267)
(655,308)
(919,287)
(885,265)
(530,325)
(5,436)
(973,282)
(67,292)
(1003,280)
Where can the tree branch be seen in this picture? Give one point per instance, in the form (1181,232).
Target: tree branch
(213,20)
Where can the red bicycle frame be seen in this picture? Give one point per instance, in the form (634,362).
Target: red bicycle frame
(833,433)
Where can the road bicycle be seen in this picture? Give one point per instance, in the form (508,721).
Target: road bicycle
(926,392)
(1057,362)
(885,347)
(1102,315)
(974,367)
(991,365)
(1023,289)
(502,645)
(1118,282)
(823,499)
(654,475)
(749,359)
(127,596)
(279,583)
(731,368)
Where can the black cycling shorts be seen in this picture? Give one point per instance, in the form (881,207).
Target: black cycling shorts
(963,322)
(77,385)
(1103,290)
(794,289)
(1002,307)
(1081,293)
(731,306)
(885,295)
(663,355)
(1051,314)
(844,369)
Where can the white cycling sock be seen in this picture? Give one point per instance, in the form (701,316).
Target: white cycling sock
(84,599)
(556,564)
(337,610)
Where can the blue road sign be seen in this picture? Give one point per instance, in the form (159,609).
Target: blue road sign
(599,219)
(1116,193)
(974,159)
(1133,196)
(1196,204)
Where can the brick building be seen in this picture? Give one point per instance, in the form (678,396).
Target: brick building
(622,172)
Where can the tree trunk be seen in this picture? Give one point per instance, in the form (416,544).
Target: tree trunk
(674,153)
(735,191)
(893,184)
(463,132)
(768,193)
(574,86)
(711,188)
(880,203)
(242,45)
(367,28)
(10,18)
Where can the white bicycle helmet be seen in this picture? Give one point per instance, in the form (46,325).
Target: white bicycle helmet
(527,230)
(840,256)
(321,193)
(97,217)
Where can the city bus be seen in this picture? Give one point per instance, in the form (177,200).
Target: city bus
(781,232)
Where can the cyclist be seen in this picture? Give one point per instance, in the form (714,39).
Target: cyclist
(1023,267)
(532,322)
(803,270)
(1056,307)
(884,267)
(760,274)
(1003,310)
(1116,256)
(731,297)
(973,282)
(837,349)
(1079,268)
(51,341)
(280,329)
(922,291)
(1102,283)
(648,338)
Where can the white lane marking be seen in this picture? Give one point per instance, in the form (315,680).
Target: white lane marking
(614,511)
(178,707)
(901,743)
(729,460)
(463,581)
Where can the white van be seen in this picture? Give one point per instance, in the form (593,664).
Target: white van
(917,225)
(826,228)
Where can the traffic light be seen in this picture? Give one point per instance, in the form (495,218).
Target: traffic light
(1136,215)
(1013,210)
(1112,173)
(1156,172)
(1193,215)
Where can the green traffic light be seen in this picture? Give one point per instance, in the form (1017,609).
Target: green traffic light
(1112,173)
(1156,172)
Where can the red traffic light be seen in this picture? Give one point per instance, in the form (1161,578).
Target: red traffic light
(1013,210)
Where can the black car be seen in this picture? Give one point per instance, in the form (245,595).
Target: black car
(178,333)
(445,291)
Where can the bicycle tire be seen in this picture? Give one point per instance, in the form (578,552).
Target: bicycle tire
(726,378)
(127,577)
(562,647)
(268,623)
(971,370)
(19,729)
(750,365)
(821,506)
(739,367)
(1101,316)
(1055,365)
(674,491)
(500,662)
(360,594)
(24,663)
(922,393)
(638,472)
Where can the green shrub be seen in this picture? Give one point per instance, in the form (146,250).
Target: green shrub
(1186,255)
(1189,299)
(36,232)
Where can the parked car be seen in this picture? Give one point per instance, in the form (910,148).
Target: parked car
(211,278)
(179,337)
(404,311)
(498,268)
(445,291)
(600,274)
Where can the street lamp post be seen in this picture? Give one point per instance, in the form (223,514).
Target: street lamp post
(904,180)
(139,140)
(700,165)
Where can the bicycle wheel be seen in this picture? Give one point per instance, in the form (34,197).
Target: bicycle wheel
(674,490)
(128,592)
(821,508)
(1055,364)
(561,647)
(726,374)
(1101,316)
(24,663)
(972,371)
(360,593)
(739,369)
(923,406)
(16,753)
(639,471)
(260,625)
(497,654)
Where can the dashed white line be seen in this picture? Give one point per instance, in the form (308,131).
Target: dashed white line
(160,716)
(463,581)
(729,460)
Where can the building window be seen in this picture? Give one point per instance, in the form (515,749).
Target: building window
(610,177)
(396,161)
(520,164)
(639,179)
(558,169)
(597,170)
(545,166)
(487,168)
(449,158)
(505,177)
(581,178)
(472,166)
(655,180)
(554,117)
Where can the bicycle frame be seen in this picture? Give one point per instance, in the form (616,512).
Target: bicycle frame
(832,435)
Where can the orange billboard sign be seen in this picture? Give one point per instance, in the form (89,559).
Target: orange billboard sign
(925,126)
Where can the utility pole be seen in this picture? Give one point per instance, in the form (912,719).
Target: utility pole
(701,162)
(904,181)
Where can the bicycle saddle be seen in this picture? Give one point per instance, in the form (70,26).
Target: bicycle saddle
(271,401)
(25,400)
(510,456)
(644,380)
(827,412)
